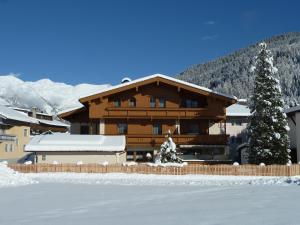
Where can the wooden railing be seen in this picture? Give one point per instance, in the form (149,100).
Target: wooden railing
(163,112)
(155,140)
(242,170)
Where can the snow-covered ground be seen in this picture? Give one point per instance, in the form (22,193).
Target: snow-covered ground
(70,198)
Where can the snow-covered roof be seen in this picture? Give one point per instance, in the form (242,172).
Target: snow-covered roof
(70,109)
(293,109)
(163,77)
(238,110)
(8,113)
(53,123)
(68,142)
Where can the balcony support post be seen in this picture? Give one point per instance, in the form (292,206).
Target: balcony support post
(177,126)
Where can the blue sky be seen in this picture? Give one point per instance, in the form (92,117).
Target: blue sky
(86,41)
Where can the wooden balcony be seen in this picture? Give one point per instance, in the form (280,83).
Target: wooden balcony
(163,113)
(157,140)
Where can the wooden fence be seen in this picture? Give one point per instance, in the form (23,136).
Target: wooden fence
(242,170)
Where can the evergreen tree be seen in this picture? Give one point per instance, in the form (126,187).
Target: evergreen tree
(268,139)
(168,152)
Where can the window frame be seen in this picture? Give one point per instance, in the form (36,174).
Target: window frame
(25,132)
(130,101)
(122,129)
(160,101)
(117,103)
(152,102)
(157,129)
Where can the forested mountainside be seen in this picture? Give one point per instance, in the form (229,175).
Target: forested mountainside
(232,74)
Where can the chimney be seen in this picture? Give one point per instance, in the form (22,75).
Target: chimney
(33,111)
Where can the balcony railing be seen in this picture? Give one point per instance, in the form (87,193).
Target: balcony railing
(7,137)
(157,140)
(162,112)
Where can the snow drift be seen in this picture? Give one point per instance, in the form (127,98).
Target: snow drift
(9,177)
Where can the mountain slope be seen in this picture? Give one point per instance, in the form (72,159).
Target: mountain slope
(231,74)
(46,95)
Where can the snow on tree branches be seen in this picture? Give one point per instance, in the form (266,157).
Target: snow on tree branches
(167,152)
(268,138)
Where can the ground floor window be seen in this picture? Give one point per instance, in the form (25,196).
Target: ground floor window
(43,157)
(140,156)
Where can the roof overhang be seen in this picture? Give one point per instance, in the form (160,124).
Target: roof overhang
(163,79)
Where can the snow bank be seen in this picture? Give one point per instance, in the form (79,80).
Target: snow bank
(9,177)
(159,180)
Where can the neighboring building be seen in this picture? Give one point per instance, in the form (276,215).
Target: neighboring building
(46,122)
(293,115)
(66,148)
(236,127)
(14,134)
(146,109)
(16,128)
(237,121)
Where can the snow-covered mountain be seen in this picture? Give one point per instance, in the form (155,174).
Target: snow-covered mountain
(46,95)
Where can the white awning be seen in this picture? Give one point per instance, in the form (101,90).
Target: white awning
(74,143)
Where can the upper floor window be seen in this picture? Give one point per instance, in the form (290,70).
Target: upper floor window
(157,129)
(162,103)
(152,102)
(122,128)
(190,103)
(117,103)
(25,132)
(132,102)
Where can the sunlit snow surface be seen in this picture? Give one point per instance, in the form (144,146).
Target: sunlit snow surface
(69,198)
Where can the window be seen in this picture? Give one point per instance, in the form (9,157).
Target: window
(194,129)
(25,132)
(117,102)
(189,103)
(11,147)
(6,147)
(162,102)
(132,102)
(194,104)
(17,142)
(43,157)
(236,123)
(152,102)
(122,128)
(157,129)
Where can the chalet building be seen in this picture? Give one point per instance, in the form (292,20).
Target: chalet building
(144,110)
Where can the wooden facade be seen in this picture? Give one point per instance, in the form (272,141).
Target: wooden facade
(146,109)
